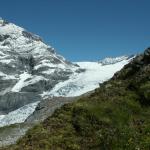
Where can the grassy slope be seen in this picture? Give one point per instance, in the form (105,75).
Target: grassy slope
(115,117)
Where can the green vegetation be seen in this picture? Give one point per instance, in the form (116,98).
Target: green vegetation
(115,117)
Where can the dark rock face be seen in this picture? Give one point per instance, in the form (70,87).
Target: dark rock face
(27,62)
(3,37)
(31,36)
(12,101)
(147,52)
(147,55)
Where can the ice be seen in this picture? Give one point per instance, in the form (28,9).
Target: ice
(24,82)
(19,115)
(20,83)
(6,61)
(80,83)
(7,77)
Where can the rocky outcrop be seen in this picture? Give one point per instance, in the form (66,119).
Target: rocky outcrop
(147,55)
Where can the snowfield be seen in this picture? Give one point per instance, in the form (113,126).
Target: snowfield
(79,84)
(18,116)
(22,81)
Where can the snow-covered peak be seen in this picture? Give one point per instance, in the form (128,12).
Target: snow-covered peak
(28,66)
(113,60)
(31,70)
(17,39)
(9,28)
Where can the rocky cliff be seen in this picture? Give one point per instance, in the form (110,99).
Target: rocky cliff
(27,67)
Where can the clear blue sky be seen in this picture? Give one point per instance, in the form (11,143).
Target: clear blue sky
(84,29)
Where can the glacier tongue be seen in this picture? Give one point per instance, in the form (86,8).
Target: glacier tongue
(86,81)
(18,115)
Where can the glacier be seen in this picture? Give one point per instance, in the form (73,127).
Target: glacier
(31,70)
(18,116)
(78,84)
(94,74)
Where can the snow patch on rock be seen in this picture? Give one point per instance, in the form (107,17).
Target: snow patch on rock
(25,80)
(18,115)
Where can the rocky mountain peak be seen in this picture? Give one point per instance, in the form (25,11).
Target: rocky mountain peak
(28,67)
(31,70)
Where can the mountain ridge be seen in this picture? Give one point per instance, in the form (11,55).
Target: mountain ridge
(31,71)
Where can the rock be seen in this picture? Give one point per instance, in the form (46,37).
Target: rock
(28,67)
(12,101)
(46,108)
(3,37)
(147,52)
(31,36)
(147,55)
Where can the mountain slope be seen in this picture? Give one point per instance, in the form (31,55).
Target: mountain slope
(30,71)
(27,67)
(77,84)
(115,116)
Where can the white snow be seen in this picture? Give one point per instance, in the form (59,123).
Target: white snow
(7,77)
(10,29)
(78,84)
(19,115)
(111,60)
(49,71)
(20,83)
(20,43)
(1,53)
(24,82)
(48,64)
(6,61)
(1,117)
